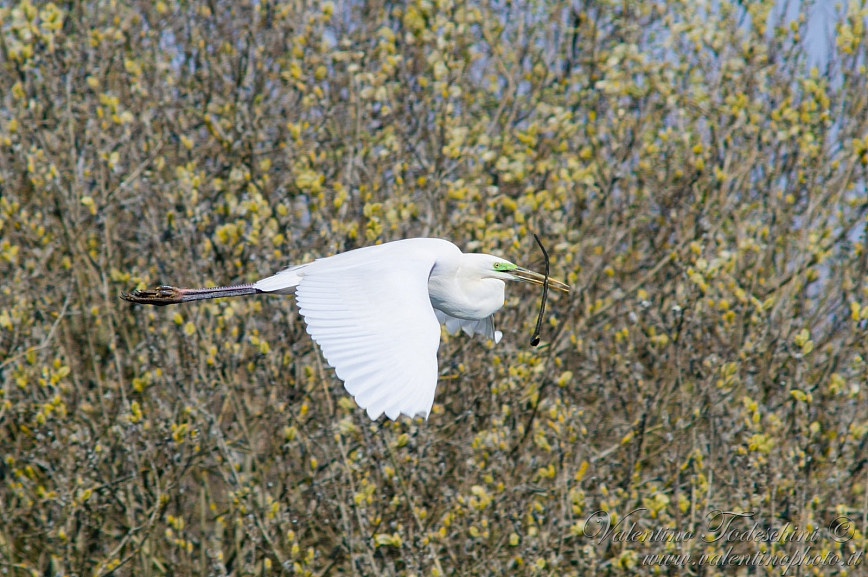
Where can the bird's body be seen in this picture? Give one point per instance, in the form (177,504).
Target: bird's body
(375,312)
(450,292)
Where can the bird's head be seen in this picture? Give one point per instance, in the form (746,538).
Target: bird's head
(488,266)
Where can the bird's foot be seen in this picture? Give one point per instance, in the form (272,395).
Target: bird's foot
(160,296)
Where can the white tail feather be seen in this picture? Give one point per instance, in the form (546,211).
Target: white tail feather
(284,282)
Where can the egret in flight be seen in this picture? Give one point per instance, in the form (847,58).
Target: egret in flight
(376,312)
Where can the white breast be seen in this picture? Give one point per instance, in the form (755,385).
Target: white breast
(471,300)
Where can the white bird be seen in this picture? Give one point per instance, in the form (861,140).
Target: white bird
(376,312)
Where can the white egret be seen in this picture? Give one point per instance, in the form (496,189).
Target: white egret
(376,312)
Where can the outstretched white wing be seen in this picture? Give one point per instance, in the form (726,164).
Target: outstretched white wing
(377,328)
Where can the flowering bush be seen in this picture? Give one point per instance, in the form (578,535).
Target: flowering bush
(699,181)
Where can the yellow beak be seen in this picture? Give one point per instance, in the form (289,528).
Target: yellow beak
(538,279)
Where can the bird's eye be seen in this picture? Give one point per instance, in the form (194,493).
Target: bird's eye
(497,265)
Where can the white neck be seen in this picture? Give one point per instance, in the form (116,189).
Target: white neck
(460,293)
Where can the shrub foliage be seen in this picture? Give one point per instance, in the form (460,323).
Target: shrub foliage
(699,182)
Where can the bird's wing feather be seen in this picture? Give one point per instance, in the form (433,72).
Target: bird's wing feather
(377,328)
(481,327)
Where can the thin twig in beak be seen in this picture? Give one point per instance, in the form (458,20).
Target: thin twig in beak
(534,341)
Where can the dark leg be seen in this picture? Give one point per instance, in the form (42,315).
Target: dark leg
(169,295)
